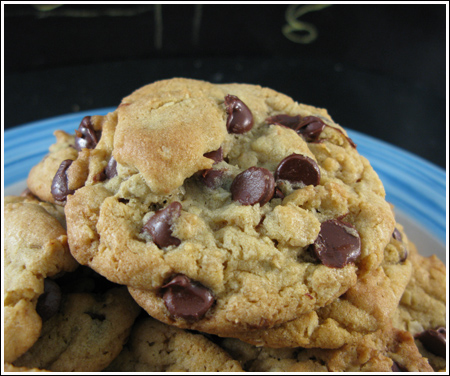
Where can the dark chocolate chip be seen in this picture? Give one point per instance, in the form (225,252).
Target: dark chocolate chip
(298,168)
(397,235)
(278,193)
(310,128)
(212,178)
(49,302)
(396,367)
(186,298)
(158,226)
(254,185)
(60,184)
(338,244)
(240,118)
(86,135)
(285,120)
(216,155)
(434,340)
(108,173)
(111,168)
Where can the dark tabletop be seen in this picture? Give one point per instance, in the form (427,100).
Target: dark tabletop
(378,69)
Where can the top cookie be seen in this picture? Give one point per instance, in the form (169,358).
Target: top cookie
(251,206)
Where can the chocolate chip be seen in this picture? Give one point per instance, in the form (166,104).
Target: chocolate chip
(158,226)
(278,193)
(60,184)
(186,298)
(285,120)
(111,168)
(298,168)
(240,118)
(216,155)
(434,340)
(212,178)
(397,235)
(49,302)
(338,244)
(396,367)
(86,135)
(350,141)
(108,173)
(310,128)
(254,185)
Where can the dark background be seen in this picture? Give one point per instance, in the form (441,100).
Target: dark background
(378,69)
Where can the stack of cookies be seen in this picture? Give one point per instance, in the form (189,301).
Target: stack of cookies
(204,227)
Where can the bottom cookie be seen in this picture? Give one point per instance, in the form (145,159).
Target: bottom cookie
(157,347)
(422,308)
(85,335)
(387,350)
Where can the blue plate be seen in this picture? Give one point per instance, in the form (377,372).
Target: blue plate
(415,187)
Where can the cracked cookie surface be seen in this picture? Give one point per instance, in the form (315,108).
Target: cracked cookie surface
(199,190)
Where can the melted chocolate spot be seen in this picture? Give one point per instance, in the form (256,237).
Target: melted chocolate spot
(86,135)
(158,226)
(310,128)
(338,244)
(111,168)
(434,340)
(186,298)
(278,193)
(49,302)
(397,235)
(60,184)
(254,185)
(298,168)
(240,118)
(285,120)
(212,178)
(216,155)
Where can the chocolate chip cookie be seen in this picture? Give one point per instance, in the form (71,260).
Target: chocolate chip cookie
(422,309)
(85,334)
(253,207)
(156,347)
(35,248)
(48,180)
(387,350)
